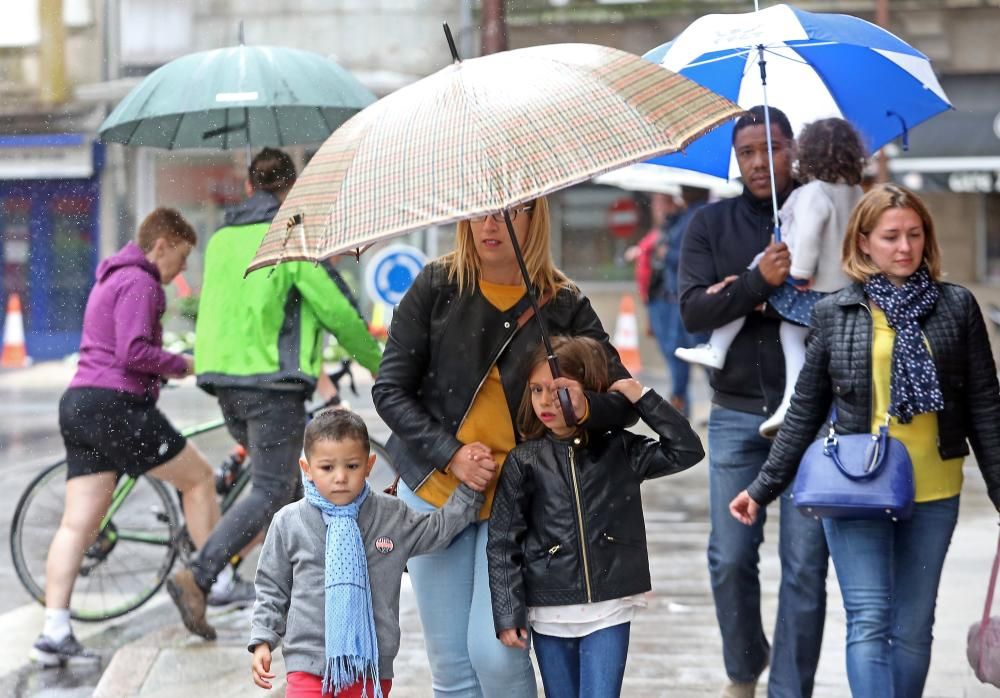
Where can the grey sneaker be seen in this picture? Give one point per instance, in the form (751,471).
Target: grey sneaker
(50,653)
(739,689)
(190,601)
(240,594)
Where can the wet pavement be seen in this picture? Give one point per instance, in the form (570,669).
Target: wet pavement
(675,649)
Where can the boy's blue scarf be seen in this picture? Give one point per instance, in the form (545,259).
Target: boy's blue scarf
(351,644)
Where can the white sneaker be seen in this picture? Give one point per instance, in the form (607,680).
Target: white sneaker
(769,429)
(703,354)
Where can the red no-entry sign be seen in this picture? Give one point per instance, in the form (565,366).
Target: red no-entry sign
(623,217)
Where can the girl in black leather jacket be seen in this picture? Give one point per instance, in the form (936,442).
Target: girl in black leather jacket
(567,540)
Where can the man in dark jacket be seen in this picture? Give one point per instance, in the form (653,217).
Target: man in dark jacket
(716,287)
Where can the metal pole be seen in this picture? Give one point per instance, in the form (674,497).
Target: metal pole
(564,400)
(494,32)
(770,148)
(882,20)
(53,86)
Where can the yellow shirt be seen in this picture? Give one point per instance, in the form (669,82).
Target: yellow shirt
(934,478)
(488,420)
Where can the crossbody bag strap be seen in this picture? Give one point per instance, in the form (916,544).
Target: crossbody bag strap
(529,312)
(988,607)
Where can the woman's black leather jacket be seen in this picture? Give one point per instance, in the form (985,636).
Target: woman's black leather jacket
(441,347)
(838,372)
(567,524)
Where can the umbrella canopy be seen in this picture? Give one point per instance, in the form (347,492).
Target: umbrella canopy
(480,136)
(665,180)
(243,96)
(817,66)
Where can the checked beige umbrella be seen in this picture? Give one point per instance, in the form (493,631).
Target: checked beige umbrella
(481,136)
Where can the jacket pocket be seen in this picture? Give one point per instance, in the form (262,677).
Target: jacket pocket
(547,554)
(842,388)
(612,539)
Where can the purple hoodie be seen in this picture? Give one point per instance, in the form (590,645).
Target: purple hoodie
(121,346)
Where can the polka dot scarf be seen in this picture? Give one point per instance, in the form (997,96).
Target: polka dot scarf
(913,383)
(351,644)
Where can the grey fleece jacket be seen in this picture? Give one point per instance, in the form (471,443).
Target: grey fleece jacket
(290,605)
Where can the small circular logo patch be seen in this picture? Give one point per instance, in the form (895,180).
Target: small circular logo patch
(384,545)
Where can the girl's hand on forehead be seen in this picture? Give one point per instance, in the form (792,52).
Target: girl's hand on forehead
(576,394)
(629,387)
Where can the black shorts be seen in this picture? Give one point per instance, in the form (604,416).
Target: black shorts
(111,431)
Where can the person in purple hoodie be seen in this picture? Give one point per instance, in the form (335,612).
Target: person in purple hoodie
(109,420)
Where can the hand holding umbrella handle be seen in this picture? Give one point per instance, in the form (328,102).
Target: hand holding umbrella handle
(565,401)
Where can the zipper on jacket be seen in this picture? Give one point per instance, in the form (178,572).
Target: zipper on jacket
(551,553)
(579,520)
(871,361)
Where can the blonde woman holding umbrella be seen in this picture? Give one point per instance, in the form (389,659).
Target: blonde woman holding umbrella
(448,387)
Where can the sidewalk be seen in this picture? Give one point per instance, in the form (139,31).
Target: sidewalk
(675,649)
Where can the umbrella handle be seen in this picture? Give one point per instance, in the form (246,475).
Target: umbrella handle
(565,403)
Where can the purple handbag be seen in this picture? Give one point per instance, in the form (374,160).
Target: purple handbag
(982,645)
(855,476)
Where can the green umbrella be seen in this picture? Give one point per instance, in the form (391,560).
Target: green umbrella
(236,97)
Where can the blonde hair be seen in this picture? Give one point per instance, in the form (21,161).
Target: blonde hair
(879,199)
(464,266)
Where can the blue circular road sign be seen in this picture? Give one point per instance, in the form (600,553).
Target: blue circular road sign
(391,272)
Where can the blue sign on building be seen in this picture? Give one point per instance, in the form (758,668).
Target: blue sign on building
(49,213)
(391,272)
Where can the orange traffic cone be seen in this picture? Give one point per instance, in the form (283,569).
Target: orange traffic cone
(14,354)
(627,335)
(377,328)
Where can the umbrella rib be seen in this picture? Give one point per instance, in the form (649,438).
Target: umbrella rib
(173,138)
(277,127)
(138,123)
(709,61)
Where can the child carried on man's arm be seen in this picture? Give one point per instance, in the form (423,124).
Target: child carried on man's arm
(329,574)
(831,161)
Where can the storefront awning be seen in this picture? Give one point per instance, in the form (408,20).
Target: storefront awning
(958,150)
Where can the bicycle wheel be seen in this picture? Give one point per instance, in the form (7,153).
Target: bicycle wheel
(124,567)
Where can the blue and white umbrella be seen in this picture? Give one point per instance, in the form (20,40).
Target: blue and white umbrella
(817,66)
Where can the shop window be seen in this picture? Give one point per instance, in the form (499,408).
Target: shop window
(991,212)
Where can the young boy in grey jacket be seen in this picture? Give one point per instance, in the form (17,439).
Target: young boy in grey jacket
(329,573)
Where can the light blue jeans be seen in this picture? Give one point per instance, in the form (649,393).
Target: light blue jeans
(452,587)
(736,452)
(889,574)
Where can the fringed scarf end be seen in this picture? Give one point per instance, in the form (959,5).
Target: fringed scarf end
(342,672)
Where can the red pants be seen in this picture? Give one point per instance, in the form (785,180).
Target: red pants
(303,685)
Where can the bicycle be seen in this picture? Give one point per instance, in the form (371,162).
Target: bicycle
(140,536)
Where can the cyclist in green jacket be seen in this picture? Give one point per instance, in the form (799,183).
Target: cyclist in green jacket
(259,351)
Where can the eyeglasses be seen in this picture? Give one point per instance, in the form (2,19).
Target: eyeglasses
(498,216)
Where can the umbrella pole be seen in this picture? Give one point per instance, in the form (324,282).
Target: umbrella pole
(770,148)
(564,400)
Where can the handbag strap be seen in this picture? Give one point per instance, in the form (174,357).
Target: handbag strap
(529,312)
(988,606)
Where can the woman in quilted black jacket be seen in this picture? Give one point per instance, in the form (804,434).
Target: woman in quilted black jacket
(898,345)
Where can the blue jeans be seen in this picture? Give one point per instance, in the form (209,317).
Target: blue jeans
(452,587)
(736,453)
(889,574)
(665,320)
(591,666)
